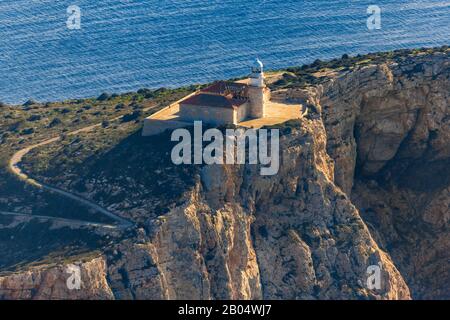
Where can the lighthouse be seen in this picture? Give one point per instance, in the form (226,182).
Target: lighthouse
(246,103)
(257,75)
(257,91)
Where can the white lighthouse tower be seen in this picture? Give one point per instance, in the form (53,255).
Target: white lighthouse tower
(257,76)
(257,91)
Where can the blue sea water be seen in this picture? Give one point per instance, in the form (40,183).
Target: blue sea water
(125,45)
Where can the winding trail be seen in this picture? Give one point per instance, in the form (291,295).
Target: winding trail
(70,222)
(14,167)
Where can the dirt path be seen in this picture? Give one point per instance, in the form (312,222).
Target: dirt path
(14,166)
(70,222)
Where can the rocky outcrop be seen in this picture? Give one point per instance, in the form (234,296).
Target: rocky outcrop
(371,112)
(308,238)
(388,129)
(241,235)
(46,283)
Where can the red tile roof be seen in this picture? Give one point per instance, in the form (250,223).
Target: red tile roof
(221,94)
(214,100)
(223,87)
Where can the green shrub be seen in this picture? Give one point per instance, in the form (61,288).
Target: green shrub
(34,117)
(30,103)
(54,122)
(131,116)
(104,96)
(27,131)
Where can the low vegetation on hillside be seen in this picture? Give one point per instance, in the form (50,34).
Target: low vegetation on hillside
(33,122)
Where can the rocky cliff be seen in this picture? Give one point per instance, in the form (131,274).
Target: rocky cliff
(363,181)
(43,283)
(388,130)
(240,235)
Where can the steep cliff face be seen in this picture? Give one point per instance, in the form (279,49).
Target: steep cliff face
(363,181)
(388,129)
(372,112)
(240,235)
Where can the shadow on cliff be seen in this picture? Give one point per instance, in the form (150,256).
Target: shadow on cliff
(136,170)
